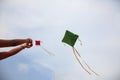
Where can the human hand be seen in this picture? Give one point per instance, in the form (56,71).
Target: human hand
(28,43)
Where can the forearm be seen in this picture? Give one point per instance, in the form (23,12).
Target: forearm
(12,52)
(16,50)
(14,42)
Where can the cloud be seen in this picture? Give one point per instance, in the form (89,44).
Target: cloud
(22,67)
(96,21)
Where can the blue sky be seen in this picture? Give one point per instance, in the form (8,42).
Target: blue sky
(97,22)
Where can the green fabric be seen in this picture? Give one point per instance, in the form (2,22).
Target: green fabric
(70,38)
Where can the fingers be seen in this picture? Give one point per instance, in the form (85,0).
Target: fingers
(29,43)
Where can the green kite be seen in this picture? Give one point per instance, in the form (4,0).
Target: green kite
(70,39)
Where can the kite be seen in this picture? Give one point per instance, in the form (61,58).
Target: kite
(70,39)
(38,43)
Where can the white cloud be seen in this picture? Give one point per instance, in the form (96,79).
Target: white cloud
(7,33)
(22,67)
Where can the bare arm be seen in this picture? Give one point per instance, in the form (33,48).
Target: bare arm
(12,52)
(27,44)
(14,42)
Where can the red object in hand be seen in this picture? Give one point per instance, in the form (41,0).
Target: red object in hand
(37,42)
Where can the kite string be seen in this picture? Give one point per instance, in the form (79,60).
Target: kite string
(80,62)
(47,51)
(86,63)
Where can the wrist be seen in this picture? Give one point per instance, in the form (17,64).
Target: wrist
(23,47)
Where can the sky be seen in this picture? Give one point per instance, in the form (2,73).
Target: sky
(97,22)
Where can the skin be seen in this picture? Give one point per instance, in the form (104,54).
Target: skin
(20,43)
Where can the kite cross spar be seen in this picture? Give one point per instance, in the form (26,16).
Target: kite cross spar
(70,39)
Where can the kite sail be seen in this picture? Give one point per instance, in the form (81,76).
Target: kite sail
(38,43)
(70,39)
